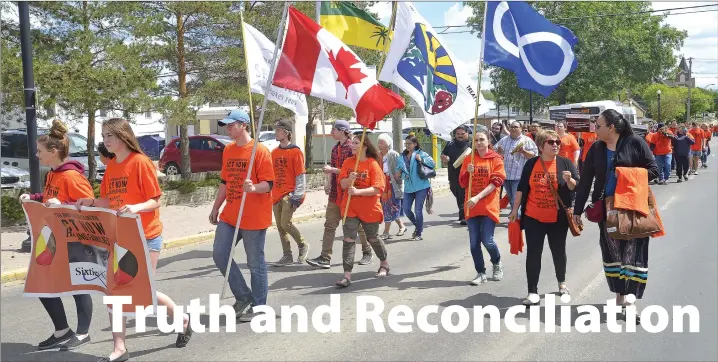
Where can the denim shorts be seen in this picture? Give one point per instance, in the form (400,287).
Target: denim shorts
(155,244)
(697,153)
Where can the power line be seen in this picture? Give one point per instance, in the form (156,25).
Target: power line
(586,17)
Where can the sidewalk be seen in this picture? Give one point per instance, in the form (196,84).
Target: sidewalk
(183,225)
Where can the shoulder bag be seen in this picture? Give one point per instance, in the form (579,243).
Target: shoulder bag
(576,229)
(425,172)
(622,224)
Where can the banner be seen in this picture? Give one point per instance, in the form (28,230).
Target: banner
(259,59)
(89,252)
(429,73)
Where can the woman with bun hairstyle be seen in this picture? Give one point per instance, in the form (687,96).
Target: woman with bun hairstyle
(139,194)
(487,174)
(65,184)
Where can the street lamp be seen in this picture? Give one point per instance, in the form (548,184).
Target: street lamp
(659,105)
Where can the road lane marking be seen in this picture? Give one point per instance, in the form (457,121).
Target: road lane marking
(668,203)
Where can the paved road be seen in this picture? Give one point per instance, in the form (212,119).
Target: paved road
(434,271)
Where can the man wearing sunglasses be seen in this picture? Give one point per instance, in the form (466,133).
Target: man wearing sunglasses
(516,148)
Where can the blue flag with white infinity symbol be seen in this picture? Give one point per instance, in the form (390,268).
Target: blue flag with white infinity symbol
(519,39)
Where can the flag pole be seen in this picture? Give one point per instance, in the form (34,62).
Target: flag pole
(321,101)
(363,134)
(246,65)
(280,33)
(478,101)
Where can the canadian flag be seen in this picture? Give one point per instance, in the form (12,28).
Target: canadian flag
(316,63)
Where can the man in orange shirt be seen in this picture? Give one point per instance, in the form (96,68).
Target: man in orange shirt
(697,149)
(256,216)
(707,148)
(569,145)
(663,150)
(288,191)
(588,139)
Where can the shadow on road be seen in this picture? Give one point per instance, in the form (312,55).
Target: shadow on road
(190,255)
(28,352)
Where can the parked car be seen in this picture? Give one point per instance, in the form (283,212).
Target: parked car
(14,178)
(14,152)
(205,154)
(267,139)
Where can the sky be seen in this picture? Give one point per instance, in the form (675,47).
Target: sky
(701,43)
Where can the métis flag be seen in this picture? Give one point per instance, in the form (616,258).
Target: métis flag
(316,63)
(519,39)
(353,26)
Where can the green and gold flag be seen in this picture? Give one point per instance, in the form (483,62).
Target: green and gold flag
(354,26)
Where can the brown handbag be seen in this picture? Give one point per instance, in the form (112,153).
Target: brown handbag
(576,229)
(622,224)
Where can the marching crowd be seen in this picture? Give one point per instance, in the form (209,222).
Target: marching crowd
(548,176)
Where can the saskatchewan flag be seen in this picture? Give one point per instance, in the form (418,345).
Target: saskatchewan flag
(353,26)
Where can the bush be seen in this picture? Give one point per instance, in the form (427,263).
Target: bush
(12,212)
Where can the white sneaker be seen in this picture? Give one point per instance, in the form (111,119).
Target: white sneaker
(498,271)
(480,279)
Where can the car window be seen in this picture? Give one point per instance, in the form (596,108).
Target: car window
(266,137)
(14,145)
(6,150)
(177,142)
(211,145)
(196,143)
(78,145)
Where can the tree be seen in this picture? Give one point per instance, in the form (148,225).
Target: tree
(84,63)
(672,102)
(615,53)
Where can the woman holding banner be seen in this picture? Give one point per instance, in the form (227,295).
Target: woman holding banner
(365,187)
(130,186)
(65,184)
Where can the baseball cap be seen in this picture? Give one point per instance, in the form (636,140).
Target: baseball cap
(236,115)
(284,124)
(342,125)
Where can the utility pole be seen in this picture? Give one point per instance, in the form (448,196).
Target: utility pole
(690,82)
(29,83)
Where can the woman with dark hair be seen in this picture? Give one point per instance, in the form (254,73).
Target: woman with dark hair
(416,188)
(625,262)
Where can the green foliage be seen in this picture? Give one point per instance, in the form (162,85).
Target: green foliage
(673,102)
(616,54)
(188,187)
(12,212)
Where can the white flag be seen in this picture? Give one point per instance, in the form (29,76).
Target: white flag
(422,67)
(259,60)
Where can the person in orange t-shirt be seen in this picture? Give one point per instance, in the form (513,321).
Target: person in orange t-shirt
(588,139)
(365,186)
(542,217)
(662,144)
(569,145)
(487,174)
(697,148)
(130,185)
(288,191)
(65,184)
(256,216)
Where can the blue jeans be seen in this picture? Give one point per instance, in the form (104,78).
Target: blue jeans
(511,186)
(481,231)
(418,219)
(254,247)
(704,158)
(664,166)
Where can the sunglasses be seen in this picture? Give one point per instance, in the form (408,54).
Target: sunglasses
(554,142)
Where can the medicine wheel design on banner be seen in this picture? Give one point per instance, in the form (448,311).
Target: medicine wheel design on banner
(124,265)
(45,246)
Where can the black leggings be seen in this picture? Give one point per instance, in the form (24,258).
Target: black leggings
(682,163)
(536,232)
(56,310)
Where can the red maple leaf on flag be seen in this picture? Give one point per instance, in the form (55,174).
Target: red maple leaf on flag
(345,73)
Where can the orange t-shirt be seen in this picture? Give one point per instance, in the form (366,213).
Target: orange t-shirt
(569,145)
(589,138)
(131,182)
(485,169)
(67,186)
(369,174)
(257,213)
(708,134)
(541,204)
(698,136)
(288,164)
(663,144)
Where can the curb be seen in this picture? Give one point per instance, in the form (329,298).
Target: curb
(20,274)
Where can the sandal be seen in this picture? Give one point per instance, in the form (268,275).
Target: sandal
(385,236)
(343,283)
(401,232)
(562,289)
(183,338)
(379,274)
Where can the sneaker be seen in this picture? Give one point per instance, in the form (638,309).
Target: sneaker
(498,271)
(685,178)
(417,237)
(74,342)
(532,299)
(53,341)
(303,251)
(664,182)
(319,262)
(480,279)
(247,317)
(679,180)
(240,307)
(366,259)
(286,259)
